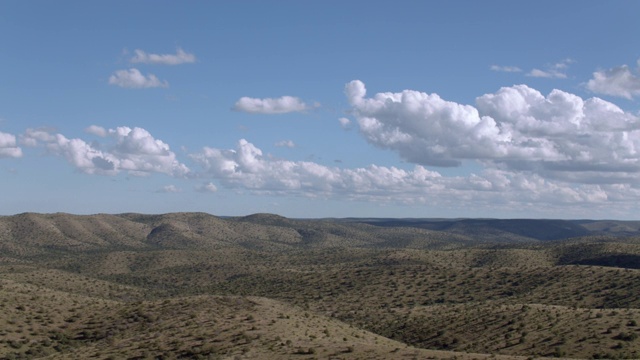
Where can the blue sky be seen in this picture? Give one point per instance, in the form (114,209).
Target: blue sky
(321,109)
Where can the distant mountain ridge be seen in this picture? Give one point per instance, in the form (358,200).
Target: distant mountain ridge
(32,233)
(538,229)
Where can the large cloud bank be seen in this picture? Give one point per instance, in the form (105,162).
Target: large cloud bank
(560,135)
(246,167)
(556,150)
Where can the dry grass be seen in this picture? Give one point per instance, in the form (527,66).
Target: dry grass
(197,286)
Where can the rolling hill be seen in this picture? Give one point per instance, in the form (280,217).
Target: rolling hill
(194,285)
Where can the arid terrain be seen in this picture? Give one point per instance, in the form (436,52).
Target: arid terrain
(193,285)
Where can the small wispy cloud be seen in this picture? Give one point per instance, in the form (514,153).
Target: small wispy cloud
(134,79)
(555,71)
(345,123)
(281,105)
(509,69)
(618,81)
(169,189)
(180,57)
(285,143)
(97,130)
(207,188)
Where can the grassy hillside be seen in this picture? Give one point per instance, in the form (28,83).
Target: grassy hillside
(193,285)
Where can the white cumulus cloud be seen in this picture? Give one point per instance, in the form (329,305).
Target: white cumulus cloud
(180,57)
(618,81)
(8,146)
(246,168)
(501,68)
(281,105)
(32,137)
(207,188)
(141,153)
(135,151)
(555,71)
(285,143)
(134,79)
(557,136)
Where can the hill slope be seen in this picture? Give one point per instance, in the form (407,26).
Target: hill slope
(262,286)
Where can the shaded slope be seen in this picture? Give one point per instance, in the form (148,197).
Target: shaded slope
(494,229)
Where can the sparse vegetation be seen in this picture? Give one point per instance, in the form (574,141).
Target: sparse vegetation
(263,286)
